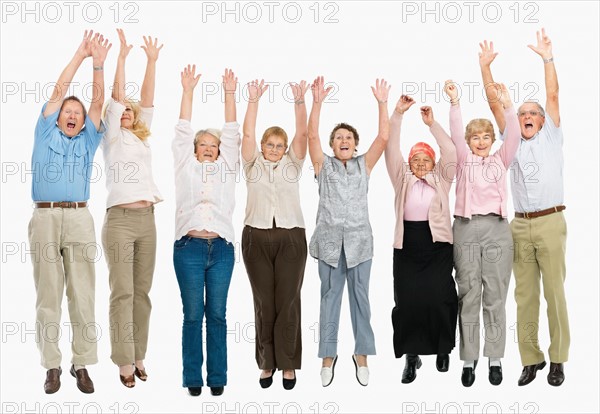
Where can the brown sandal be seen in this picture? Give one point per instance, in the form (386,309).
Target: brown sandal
(141,374)
(128,381)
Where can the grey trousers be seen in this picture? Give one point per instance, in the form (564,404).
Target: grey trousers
(483,254)
(332,288)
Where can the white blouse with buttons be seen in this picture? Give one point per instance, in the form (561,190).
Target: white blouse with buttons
(127,160)
(205,191)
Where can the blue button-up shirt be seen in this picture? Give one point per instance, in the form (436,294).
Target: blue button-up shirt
(537,170)
(62,166)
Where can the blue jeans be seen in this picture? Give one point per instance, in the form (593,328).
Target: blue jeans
(204,265)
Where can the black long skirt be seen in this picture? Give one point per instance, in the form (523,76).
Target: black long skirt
(424,317)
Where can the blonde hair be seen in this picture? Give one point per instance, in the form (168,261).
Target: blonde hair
(139,128)
(479,125)
(274,130)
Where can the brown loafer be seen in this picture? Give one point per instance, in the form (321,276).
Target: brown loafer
(84,382)
(556,376)
(128,381)
(529,372)
(52,383)
(141,374)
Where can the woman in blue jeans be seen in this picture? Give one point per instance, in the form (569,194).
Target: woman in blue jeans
(203,253)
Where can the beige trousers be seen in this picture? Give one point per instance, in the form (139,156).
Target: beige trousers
(540,247)
(129,242)
(63,251)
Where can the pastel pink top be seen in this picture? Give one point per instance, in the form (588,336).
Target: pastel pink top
(437,209)
(481,182)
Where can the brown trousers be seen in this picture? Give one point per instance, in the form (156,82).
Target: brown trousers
(275,260)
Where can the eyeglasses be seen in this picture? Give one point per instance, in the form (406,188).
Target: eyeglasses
(531,113)
(278,147)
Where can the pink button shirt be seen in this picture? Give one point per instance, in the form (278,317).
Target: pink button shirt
(418,200)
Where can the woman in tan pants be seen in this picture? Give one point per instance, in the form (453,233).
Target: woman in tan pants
(129,232)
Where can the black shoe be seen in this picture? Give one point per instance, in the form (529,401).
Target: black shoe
(413,362)
(495,376)
(468,376)
(556,376)
(268,381)
(288,384)
(442,362)
(529,372)
(217,390)
(194,391)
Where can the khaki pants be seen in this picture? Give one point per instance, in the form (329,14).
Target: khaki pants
(540,246)
(63,248)
(129,241)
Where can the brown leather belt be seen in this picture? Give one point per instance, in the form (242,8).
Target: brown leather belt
(540,213)
(62,204)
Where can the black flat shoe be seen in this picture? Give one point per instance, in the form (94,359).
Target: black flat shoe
(413,362)
(288,384)
(217,390)
(495,375)
(442,362)
(194,391)
(268,381)
(468,376)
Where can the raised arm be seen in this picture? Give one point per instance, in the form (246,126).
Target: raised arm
(394,161)
(492,89)
(544,49)
(189,80)
(512,135)
(255,91)
(99,49)
(381,92)
(447,148)
(230,82)
(66,77)
(152,50)
(315,150)
(457,130)
(118,91)
(301,136)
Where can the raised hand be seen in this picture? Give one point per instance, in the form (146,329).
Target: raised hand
(544,45)
(230,81)
(404,103)
(124,47)
(85,47)
(99,48)
(427,115)
(189,80)
(299,90)
(381,90)
(318,90)
(452,91)
(505,96)
(487,54)
(256,90)
(151,48)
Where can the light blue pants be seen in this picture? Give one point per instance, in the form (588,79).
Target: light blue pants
(332,288)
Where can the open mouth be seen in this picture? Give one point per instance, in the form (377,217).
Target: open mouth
(528,126)
(70,125)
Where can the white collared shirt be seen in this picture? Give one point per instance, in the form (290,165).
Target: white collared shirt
(127,160)
(205,191)
(537,170)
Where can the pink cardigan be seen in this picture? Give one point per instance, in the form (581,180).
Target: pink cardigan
(470,165)
(440,179)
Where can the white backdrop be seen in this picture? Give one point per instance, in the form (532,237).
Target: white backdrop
(415,46)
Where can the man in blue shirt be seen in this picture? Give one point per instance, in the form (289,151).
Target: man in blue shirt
(539,229)
(61,231)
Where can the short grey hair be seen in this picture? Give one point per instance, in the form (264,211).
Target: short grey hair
(540,107)
(210,131)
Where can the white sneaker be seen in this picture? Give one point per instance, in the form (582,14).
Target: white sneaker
(327,373)
(362,373)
